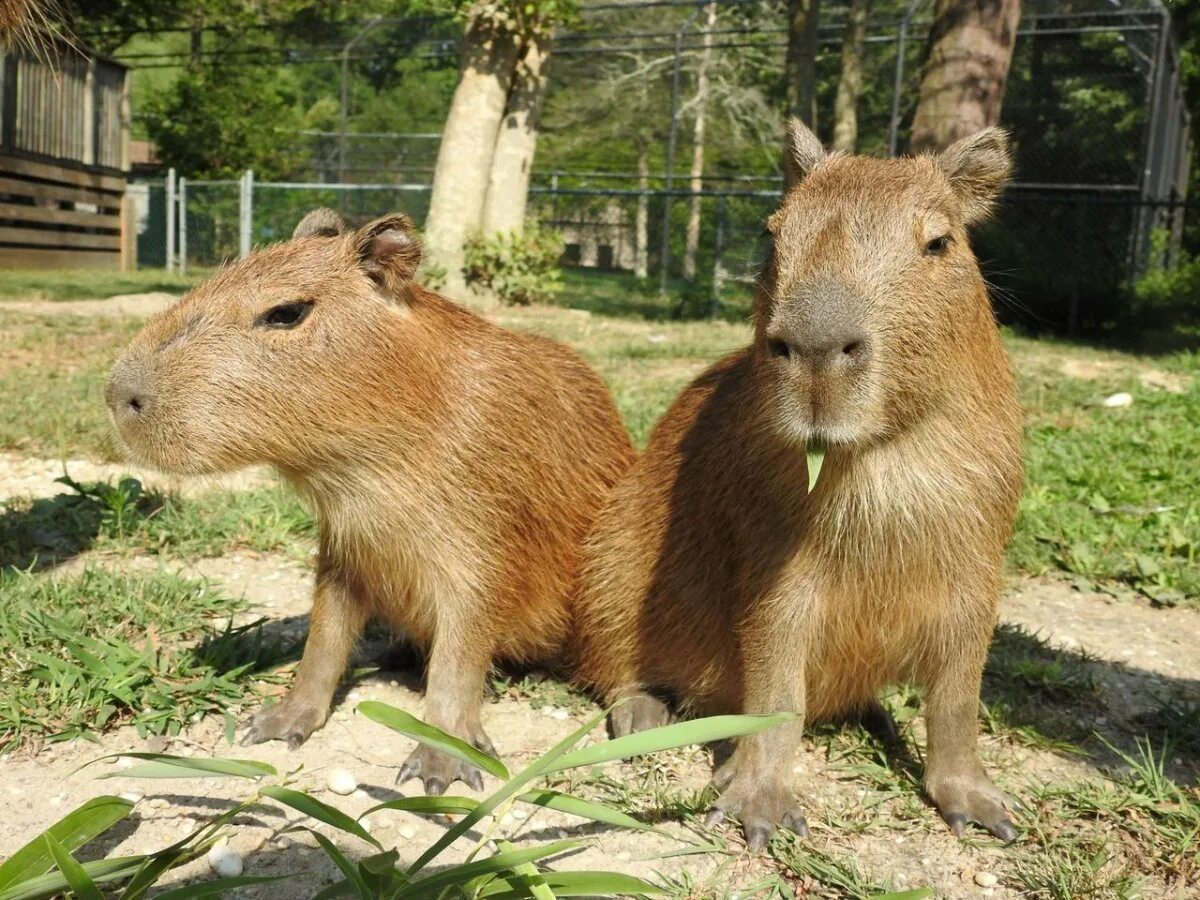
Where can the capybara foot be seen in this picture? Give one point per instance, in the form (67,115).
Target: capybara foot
(760,800)
(291,720)
(971,797)
(438,771)
(640,712)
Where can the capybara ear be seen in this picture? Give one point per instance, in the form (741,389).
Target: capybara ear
(388,249)
(978,167)
(804,150)
(321,222)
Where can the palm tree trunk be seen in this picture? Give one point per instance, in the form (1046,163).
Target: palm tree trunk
(512,163)
(464,162)
(845,109)
(692,240)
(966,64)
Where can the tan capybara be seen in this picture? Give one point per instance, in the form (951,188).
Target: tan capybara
(454,466)
(717,578)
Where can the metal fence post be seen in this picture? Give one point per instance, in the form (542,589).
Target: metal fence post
(170,220)
(182,226)
(245,213)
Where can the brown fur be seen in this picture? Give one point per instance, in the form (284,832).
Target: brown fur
(715,577)
(454,466)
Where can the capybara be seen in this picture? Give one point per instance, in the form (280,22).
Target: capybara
(454,466)
(718,576)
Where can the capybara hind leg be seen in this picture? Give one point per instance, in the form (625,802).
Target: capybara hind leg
(336,622)
(454,685)
(954,777)
(638,712)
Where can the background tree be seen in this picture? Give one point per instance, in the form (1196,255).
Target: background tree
(850,81)
(696,182)
(967,59)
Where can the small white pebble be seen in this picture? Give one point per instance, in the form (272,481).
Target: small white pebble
(393,684)
(157,803)
(560,714)
(224,860)
(366,824)
(623,856)
(507,819)
(408,832)
(283,842)
(126,762)
(354,696)
(341,781)
(986,879)
(1117,400)
(57,801)
(132,796)
(518,814)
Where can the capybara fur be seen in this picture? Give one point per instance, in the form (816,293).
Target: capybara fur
(454,466)
(719,577)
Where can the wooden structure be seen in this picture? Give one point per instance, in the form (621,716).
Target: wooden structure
(64,156)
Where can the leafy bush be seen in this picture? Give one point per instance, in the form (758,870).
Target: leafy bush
(521,267)
(1168,296)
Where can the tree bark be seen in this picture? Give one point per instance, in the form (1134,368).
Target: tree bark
(800,64)
(966,64)
(845,109)
(512,162)
(692,240)
(464,161)
(641,254)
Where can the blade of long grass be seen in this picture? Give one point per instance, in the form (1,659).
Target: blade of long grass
(348,868)
(164,765)
(576,884)
(680,734)
(322,812)
(53,884)
(530,876)
(410,726)
(917,894)
(499,862)
(220,885)
(585,809)
(81,883)
(73,830)
(535,770)
(427,805)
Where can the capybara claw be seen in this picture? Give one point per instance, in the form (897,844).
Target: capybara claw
(972,798)
(762,803)
(289,721)
(438,771)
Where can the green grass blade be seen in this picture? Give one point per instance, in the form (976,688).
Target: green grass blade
(917,894)
(430,806)
(576,884)
(353,876)
(73,830)
(220,885)
(410,726)
(680,734)
(81,883)
(322,812)
(53,884)
(511,787)
(500,862)
(815,457)
(585,809)
(529,875)
(164,765)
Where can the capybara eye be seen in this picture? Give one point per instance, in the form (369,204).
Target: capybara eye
(285,315)
(938,245)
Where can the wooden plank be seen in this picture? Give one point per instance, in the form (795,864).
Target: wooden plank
(52,216)
(34,258)
(55,193)
(17,166)
(59,240)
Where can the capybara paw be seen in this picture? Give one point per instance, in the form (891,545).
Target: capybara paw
(438,771)
(640,712)
(762,803)
(290,720)
(972,798)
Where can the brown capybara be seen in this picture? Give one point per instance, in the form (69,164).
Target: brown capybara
(718,576)
(454,466)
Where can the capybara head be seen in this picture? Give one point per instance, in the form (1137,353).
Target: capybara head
(276,359)
(871,288)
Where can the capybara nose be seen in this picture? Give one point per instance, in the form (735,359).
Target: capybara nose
(128,396)
(842,349)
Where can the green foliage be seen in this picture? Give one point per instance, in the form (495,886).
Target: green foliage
(1167,296)
(521,267)
(219,120)
(99,649)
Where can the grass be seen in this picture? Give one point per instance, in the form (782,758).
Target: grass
(89,651)
(85,284)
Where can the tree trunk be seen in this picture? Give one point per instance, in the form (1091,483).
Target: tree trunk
(464,161)
(641,256)
(692,241)
(966,63)
(800,65)
(845,109)
(512,163)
